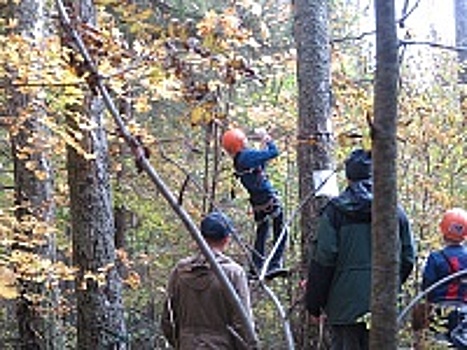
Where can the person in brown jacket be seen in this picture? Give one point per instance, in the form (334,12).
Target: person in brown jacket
(197,313)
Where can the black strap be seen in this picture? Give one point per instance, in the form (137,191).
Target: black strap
(239,173)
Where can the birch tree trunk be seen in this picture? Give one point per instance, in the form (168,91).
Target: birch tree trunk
(33,185)
(98,286)
(315,146)
(385,269)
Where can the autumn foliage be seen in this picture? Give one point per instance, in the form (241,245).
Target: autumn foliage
(181,74)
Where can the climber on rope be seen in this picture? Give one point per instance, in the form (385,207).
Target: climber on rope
(250,167)
(450,298)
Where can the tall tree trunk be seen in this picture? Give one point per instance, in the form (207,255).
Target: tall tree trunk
(461,41)
(99,287)
(384,216)
(314,152)
(33,187)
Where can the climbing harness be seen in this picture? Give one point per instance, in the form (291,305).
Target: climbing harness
(270,207)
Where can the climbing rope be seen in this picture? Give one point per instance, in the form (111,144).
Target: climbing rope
(421,295)
(288,223)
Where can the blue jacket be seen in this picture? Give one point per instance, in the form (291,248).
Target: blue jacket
(339,275)
(440,264)
(250,165)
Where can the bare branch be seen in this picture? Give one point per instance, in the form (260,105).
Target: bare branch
(405,13)
(433,44)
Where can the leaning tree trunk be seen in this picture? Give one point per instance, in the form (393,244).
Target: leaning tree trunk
(98,285)
(385,269)
(314,151)
(33,185)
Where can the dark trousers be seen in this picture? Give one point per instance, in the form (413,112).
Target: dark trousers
(350,337)
(274,216)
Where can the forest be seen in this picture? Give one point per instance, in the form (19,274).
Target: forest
(111,115)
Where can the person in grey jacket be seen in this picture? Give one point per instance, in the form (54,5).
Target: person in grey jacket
(339,275)
(197,313)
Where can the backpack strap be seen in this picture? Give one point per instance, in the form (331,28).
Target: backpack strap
(457,282)
(451,267)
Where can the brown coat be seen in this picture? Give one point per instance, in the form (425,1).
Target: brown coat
(197,314)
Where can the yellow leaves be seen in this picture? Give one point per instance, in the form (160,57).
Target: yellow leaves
(219,31)
(30,266)
(12,22)
(42,228)
(230,22)
(7,283)
(174,28)
(30,165)
(169,88)
(5,230)
(208,23)
(202,113)
(156,74)
(97,277)
(212,42)
(122,256)
(69,136)
(131,277)
(141,104)
(133,280)
(7,292)
(33,226)
(63,272)
(36,62)
(134,128)
(107,2)
(135,19)
(7,223)
(197,115)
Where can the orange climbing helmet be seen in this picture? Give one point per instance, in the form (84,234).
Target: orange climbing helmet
(233,141)
(453,225)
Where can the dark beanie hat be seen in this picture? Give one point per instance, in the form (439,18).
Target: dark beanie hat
(216,226)
(358,165)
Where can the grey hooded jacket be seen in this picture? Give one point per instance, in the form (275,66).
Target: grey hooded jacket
(197,313)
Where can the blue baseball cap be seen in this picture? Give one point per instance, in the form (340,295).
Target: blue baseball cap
(216,226)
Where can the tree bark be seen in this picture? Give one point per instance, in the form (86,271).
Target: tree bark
(121,226)
(315,146)
(99,287)
(35,211)
(461,41)
(383,333)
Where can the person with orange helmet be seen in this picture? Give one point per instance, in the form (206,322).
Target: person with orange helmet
(451,258)
(450,297)
(233,141)
(250,168)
